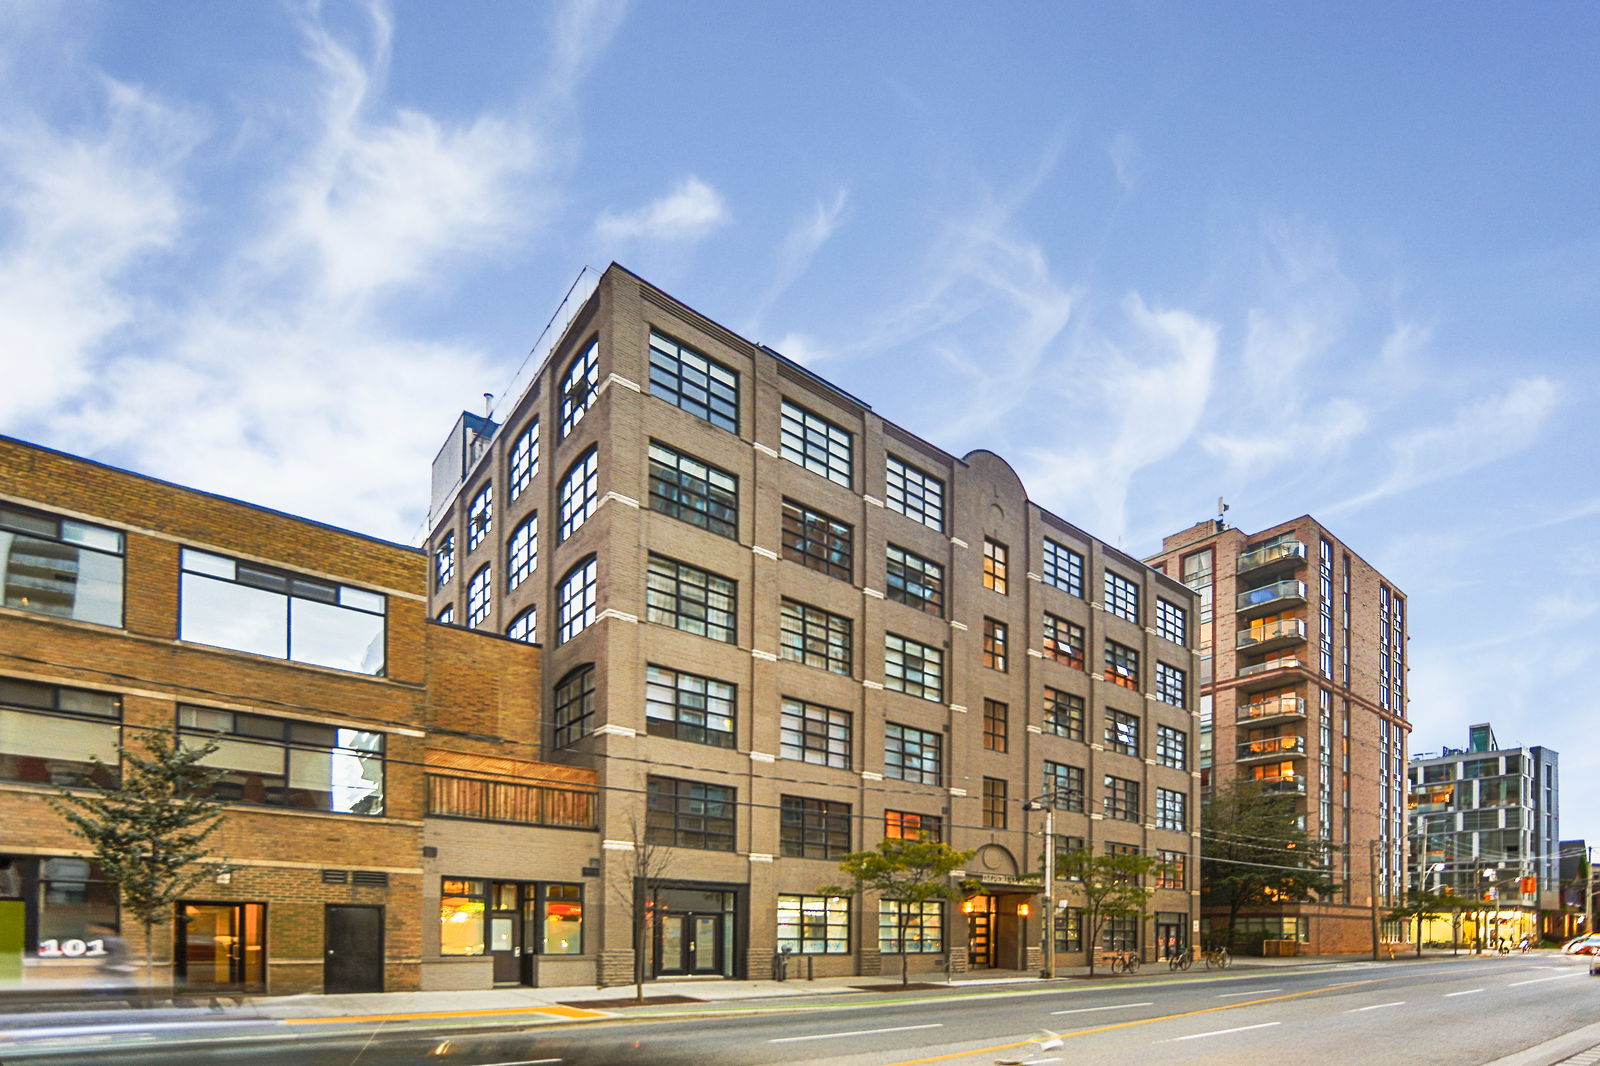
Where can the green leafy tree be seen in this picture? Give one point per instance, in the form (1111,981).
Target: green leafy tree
(1109,886)
(908,873)
(1418,906)
(1254,854)
(148,832)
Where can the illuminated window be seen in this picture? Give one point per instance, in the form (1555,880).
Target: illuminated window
(996,725)
(1063,641)
(906,825)
(814,925)
(1173,871)
(994,566)
(1122,665)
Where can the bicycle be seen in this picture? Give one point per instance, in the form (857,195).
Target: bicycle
(1125,962)
(1181,960)
(1218,958)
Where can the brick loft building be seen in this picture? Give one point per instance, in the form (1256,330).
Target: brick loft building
(1303,688)
(780,628)
(365,748)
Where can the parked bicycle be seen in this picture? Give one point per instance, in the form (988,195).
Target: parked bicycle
(1181,959)
(1218,958)
(1124,962)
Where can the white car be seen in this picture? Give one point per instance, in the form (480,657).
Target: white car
(1581,945)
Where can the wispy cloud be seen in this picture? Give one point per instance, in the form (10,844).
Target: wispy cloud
(1124,155)
(799,247)
(690,211)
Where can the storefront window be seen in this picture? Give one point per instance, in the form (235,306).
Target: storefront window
(461,908)
(73,900)
(563,920)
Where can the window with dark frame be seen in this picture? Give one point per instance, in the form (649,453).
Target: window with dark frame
(1170,685)
(1063,641)
(996,725)
(1065,785)
(812,828)
(1122,799)
(1122,596)
(524,458)
(579,492)
(522,552)
(1172,747)
(913,754)
(1063,568)
(994,566)
(813,925)
(60,567)
(480,516)
(444,560)
(1122,665)
(813,442)
(287,763)
(1063,714)
(1173,871)
(994,644)
(689,814)
(924,929)
(812,733)
(524,627)
(1172,809)
(994,803)
(1122,732)
(908,825)
(814,637)
(694,383)
(574,705)
(915,493)
(693,491)
(52,735)
(693,600)
(688,707)
(912,667)
(915,581)
(816,541)
(1172,622)
(575,600)
(478,598)
(578,387)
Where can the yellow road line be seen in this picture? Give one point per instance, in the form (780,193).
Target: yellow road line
(559,1012)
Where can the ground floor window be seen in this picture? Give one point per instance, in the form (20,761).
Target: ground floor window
(1120,934)
(924,929)
(537,918)
(1069,929)
(67,908)
(1272,927)
(814,925)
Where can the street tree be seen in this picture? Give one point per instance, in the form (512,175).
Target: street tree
(1253,852)
(1419,905)
(149,831)
(636,893)
(907,873)
(1109,886)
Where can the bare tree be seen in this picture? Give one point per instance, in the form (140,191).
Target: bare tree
(636,894)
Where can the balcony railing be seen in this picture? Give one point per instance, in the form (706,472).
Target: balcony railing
(1271,747)
(1269,666)
(1279,592)
(1283,632)
(1277,707)
(1271,553)
(509,801)
(1290,786)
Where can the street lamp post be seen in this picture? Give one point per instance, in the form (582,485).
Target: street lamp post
(1047,924)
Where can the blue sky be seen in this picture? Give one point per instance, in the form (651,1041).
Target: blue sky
(1337,259)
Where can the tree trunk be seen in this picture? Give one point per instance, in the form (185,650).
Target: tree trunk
(1419,936)
(149,960)
(905,960)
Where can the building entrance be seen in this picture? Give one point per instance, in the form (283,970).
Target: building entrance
(693,933)
(222,946)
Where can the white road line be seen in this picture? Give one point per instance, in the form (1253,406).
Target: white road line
(1114,1006)
(1377,1006)
(1468,992)
(1224,1032)
(1252,992)
(1538,980)
(523,1062)
(858,1032)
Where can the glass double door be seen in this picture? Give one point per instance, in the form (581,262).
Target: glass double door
(690,944)
(222,946)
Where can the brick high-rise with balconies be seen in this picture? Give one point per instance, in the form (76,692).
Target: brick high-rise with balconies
(1302,649)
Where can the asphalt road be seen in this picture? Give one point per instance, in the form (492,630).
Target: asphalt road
(1456,1012)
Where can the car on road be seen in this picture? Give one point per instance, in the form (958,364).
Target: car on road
(1587,944)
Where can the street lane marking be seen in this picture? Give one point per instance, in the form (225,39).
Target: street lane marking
(524,1062)
(1377,1006)
(1252,992)
(858,1032)
(1224,1032)
(560,1012)
(1538,980)
(1114,1006)
(1468,992)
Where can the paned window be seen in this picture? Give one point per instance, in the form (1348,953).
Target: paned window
(1063,714)
(478,598)
(52,736)
(1173,871)
(447,617)
(60,567)
(1063,568)
(815,443)
(808,732)
(246,607)
(688,707)
(444,560)
(579,493)
(994,644)
(522,553)
(694,383)
(1069,931)
(1065,784)
(305,765)
(1122,799)
(915,581)
(688,814)
(816,541)
(480,516)
(1122,732)
(1122,596)
(994,566)
(575,601)
(921,932)
(524,627)
(1063,641)
(574,704)
(915,494)
(578,387)
(994,803)
(524,458)
(1170,686)
(908,825)
(688,598)
(813,829)
(814,637)
(1172,622)
(814,925)
(1171,809)
(996,725)
(691,491)
(1172,747)
(913,668)
(1122,665)
(912,754)
(1120,934)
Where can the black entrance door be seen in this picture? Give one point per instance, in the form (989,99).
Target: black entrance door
(691,944)
(353,956)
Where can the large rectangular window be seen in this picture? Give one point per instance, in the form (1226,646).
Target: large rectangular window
(1122,596)
(994,803)
(814,637)
(554,913)
(996,725)
(1172,622)
(1170,685)
(1122,665)
(816,541)
(692,491)
(815,443)
(1063,568)
(913,754)
(1122,732)
(688,598)
(1063,641)
(914,493)
(688,707)
(1063,714)
(1122,799)
(996,636)
(995,566)
(574,706)
(915,581)
(51,735)
(913,668)
(694,383)
(689,814)
(1173,871)
(813,828)
(60,567)
(809,732)
(1172,747)
(921,932)
(908,825)
(1172,809)
(814,925)
(247,607)
(287,763)
(1065,784)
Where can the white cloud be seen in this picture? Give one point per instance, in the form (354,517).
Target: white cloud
(690,211)
(1316,433)
(1124,156)
(799,247)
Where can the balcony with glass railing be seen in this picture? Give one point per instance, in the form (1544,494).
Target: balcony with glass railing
(1272,748)
(1270,666)
(1289,553)
(1281,633)
(1283,786)
(1278,594)
(1276,707)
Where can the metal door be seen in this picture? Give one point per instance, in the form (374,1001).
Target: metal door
(353,949)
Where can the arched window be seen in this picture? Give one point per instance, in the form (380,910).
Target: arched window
(577,492)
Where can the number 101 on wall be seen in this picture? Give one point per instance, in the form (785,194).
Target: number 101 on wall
(71,949)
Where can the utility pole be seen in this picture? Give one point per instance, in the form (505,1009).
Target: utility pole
(1372,871)
(1047,927)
